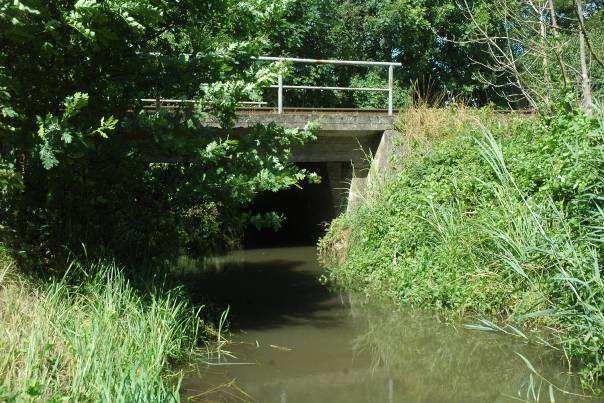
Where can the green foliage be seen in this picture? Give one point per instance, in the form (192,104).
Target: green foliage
(378,100)
(502,219)
(442,46)
(429,37)
(101,340)
(595,30)
(83,163)
(11,184)
(56,134)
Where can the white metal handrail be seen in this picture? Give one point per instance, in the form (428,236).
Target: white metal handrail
(312,87)
(280,87)
(327,61)
(192,101)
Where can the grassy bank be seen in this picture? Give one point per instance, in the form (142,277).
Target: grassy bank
(495,216)
(101,340)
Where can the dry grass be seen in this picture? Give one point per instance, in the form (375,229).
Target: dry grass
(423,124)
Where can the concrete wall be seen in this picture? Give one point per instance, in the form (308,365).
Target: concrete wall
(354,145)
(377,173)
(356,174)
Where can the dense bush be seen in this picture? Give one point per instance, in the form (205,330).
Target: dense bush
(81,160)
(378,100)
(490,216)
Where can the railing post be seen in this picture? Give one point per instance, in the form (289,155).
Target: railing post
(280,95)
(390,85)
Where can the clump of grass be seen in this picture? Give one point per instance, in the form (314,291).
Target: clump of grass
(501,218)
(544,249)
(101,340)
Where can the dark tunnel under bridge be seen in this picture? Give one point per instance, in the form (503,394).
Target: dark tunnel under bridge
(347,141)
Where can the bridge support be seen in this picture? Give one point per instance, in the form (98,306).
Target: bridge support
(339,177)
(379,170)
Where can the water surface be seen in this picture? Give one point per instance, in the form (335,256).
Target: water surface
(294,340)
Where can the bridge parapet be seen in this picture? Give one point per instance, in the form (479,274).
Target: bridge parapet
(280,86)
(341,123)
(330,121)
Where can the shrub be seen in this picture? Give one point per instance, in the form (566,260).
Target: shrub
(377,100)
(87,163)
(491,217)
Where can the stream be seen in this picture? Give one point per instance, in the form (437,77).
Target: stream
(295,340)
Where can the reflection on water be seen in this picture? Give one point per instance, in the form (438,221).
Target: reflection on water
(295,341)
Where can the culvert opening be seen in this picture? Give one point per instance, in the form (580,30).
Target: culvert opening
(307,210)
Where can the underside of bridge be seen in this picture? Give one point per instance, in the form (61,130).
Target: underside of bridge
(348,143)
(341,155)
(306,210)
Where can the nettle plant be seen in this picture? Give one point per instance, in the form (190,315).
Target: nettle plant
(81,160)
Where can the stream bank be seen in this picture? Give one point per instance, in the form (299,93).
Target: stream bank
(294,340)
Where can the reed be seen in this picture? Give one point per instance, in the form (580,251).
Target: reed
(100,340)
(496,218)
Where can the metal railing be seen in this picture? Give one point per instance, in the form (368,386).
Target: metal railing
(155,103)
(280,86)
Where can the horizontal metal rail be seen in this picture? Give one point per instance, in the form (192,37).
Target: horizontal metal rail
(151,105)
(326,61)
(192,101)
(312,87)
(280,86)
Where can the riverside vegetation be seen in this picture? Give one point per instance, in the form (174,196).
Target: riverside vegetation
(95,339)
(92,208)
(495,216)
(498,217)
(98,195)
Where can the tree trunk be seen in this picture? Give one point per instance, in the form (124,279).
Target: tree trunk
(587,102)
(557,50)
(552,13)
(544,49)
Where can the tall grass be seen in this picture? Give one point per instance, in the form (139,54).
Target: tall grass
(499,218)
(101,340)
(540,245)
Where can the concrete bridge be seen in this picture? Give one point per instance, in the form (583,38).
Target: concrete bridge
(351,142)
(348,142)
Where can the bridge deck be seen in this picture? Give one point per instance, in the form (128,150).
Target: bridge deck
(331,121)
(355,111)
(344,134)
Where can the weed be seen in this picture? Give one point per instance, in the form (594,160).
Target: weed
(497,217)
(98,341)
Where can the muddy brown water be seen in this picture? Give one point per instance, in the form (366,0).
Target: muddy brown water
(294,340)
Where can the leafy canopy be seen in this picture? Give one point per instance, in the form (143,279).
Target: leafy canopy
(82,162)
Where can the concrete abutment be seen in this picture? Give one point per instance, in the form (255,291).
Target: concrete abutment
(354,146)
